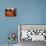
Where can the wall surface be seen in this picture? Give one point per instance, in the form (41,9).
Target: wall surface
(28,12)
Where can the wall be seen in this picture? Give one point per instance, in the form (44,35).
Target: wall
(28,12)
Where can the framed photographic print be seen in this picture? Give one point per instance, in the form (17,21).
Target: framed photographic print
(33,32)
(10,12)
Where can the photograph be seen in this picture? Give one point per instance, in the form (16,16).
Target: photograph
(10,12)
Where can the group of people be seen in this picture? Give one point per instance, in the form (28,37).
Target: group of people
(10,12)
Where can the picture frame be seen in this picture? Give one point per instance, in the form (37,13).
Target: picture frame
(10,12)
